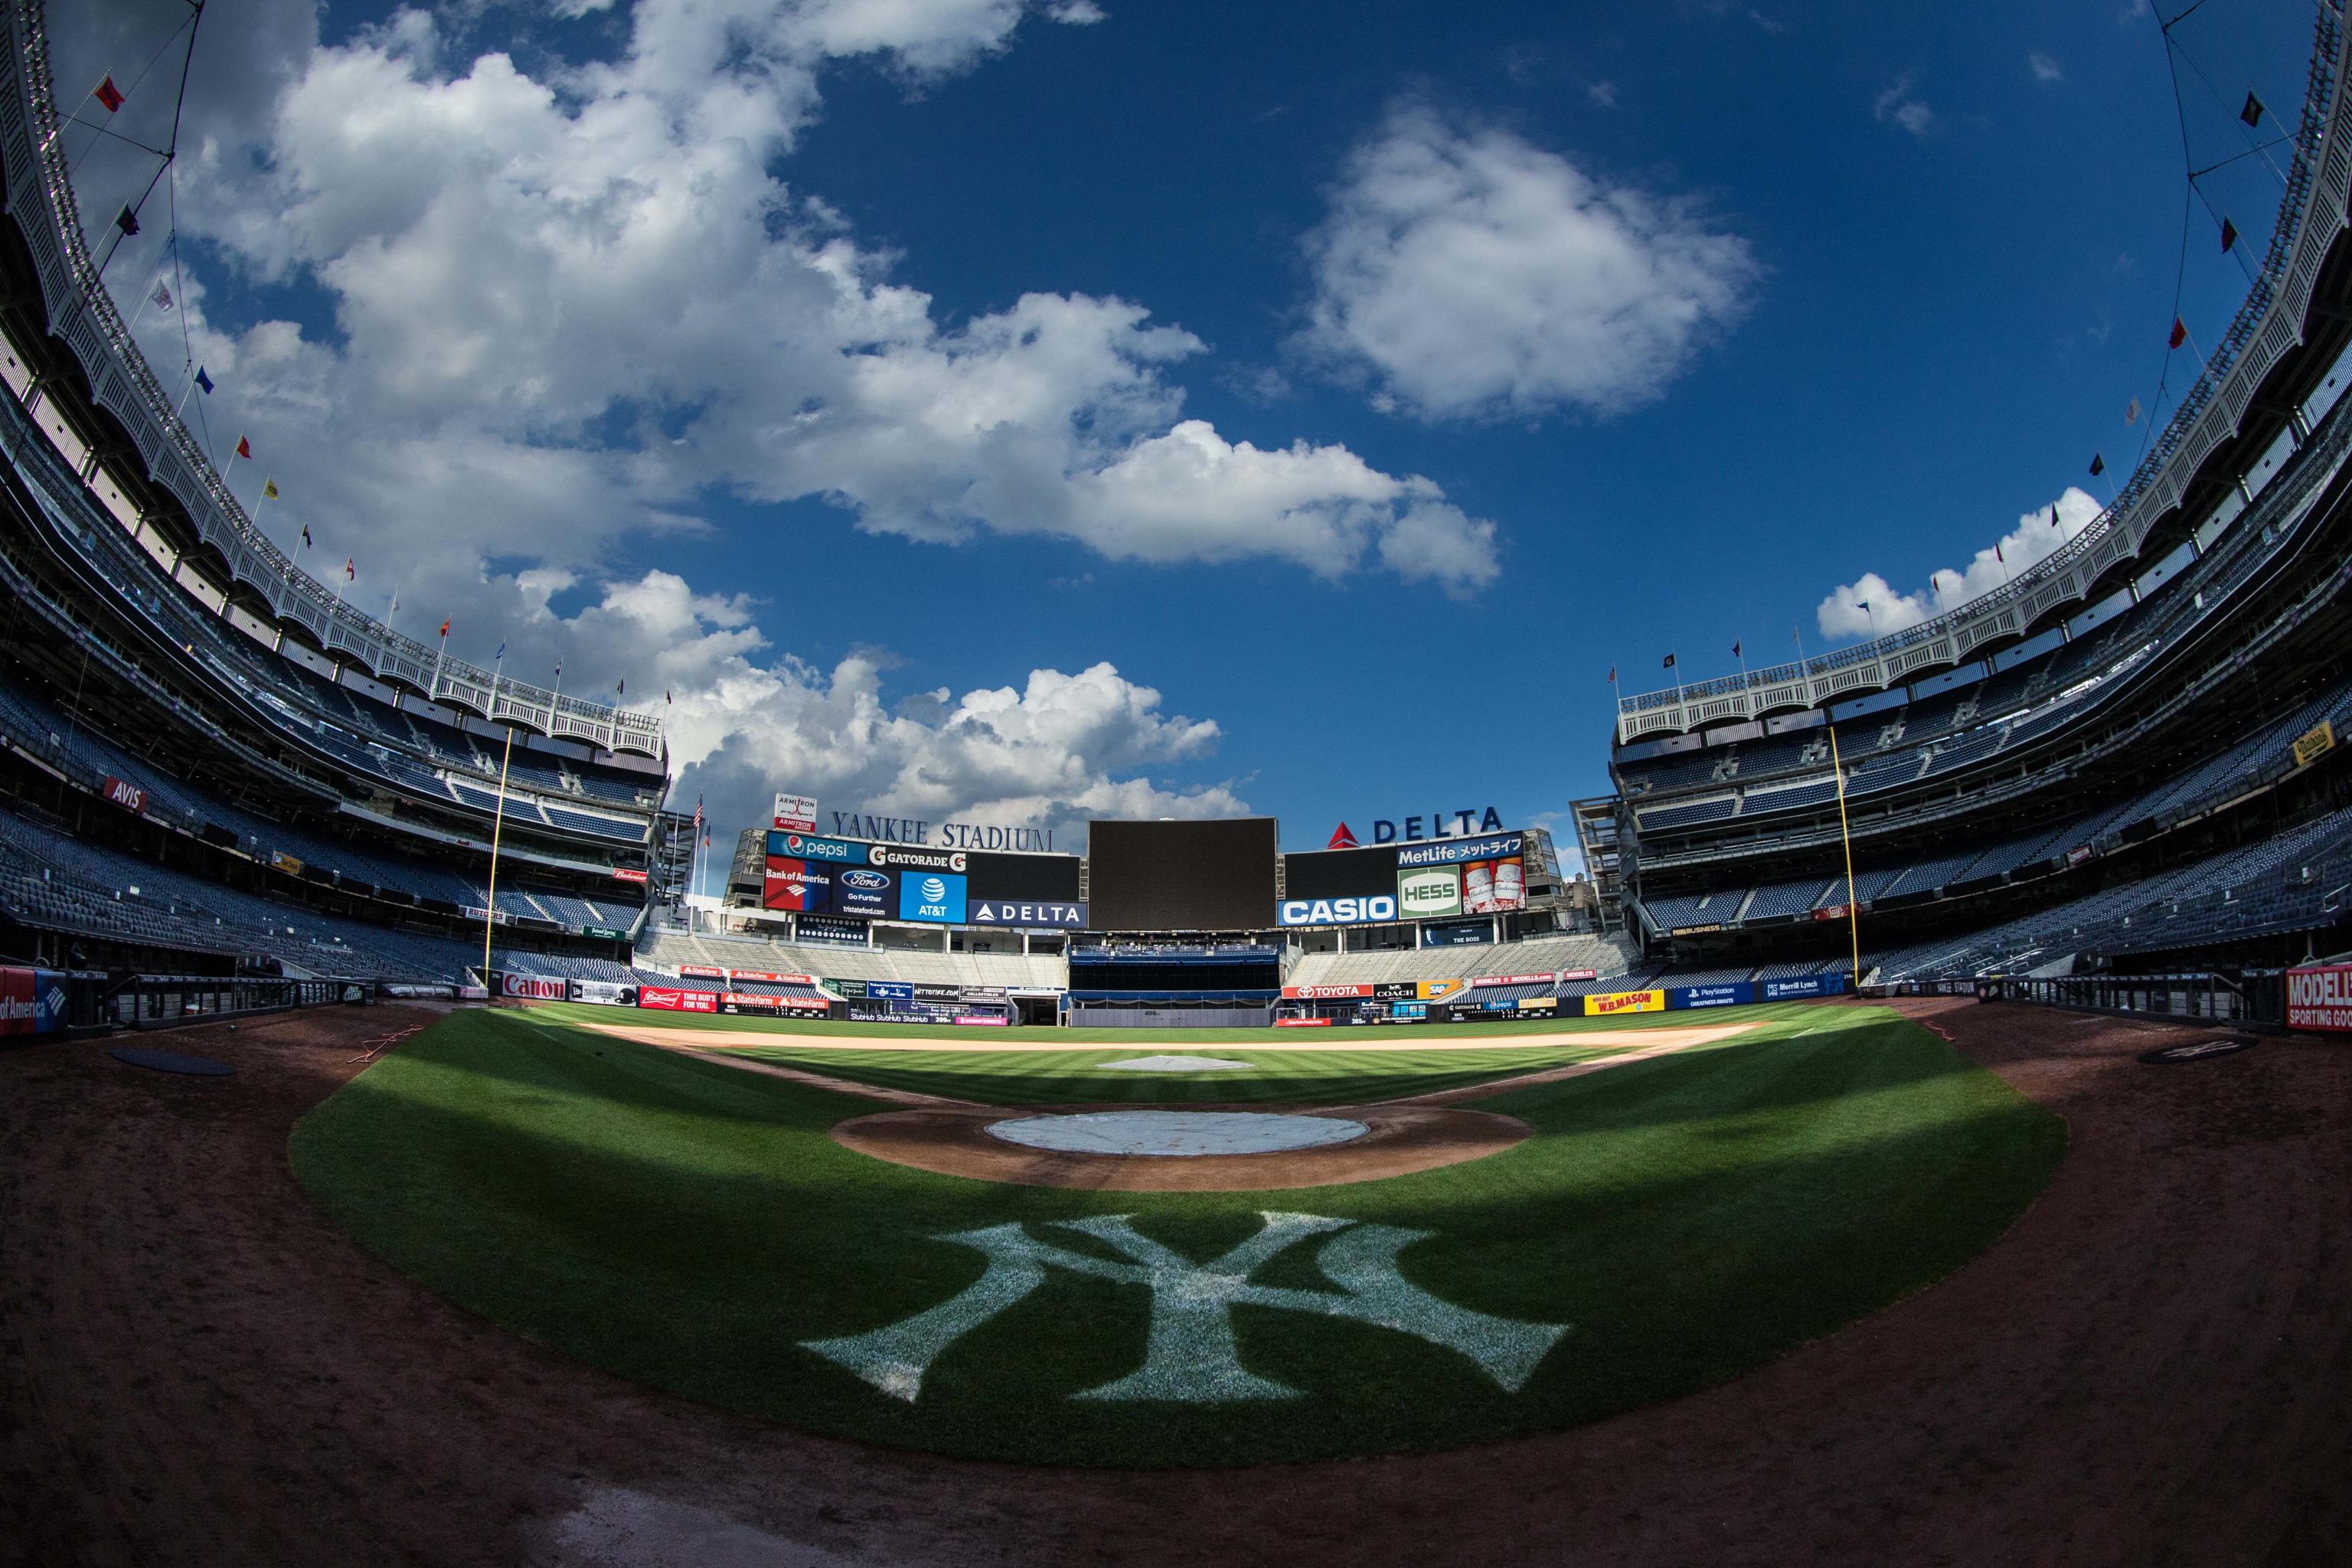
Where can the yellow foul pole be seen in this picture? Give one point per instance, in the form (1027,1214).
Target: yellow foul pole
(498,825)
(1853,907)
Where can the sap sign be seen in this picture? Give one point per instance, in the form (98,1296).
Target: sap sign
(937,896)
(1353,912)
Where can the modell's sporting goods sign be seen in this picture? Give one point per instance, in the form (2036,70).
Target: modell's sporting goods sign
(2320,997)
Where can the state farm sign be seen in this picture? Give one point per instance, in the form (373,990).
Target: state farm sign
(2320,998)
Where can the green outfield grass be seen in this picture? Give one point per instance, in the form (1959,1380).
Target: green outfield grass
(692,1225)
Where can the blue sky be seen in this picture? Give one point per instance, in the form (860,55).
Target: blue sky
(1364,382)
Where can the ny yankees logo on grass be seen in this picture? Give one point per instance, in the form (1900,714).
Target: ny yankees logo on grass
(1190,1356)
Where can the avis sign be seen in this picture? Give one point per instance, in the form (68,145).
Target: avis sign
(1189,1355)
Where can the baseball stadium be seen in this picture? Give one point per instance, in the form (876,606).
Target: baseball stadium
(1904,1118)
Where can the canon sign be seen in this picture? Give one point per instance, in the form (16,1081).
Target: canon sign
(1355,912)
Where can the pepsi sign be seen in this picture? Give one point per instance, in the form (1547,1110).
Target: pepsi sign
(808,847)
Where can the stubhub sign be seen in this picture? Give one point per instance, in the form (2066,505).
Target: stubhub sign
(1351,911)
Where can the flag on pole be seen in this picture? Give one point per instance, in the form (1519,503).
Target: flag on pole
(500,656)
(128,222)
(2179,334)
(558,669)
(350,572)
(1612,674)
(2098,464)
(2252,113)
(665,696)
(2131,412)
(162,297)
(1862,604)
(2229,234)
(621,686)
(1669,661)
(1997,556)
(2053,514)
(444,628)
(269,490)
(1734,649)
(244,449)
(306,536)
(110,95)
(204,380)
(396,605)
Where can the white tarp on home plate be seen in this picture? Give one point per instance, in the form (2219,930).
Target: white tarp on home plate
(1176,1132)
(1172,1064)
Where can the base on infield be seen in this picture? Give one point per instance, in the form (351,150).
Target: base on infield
(1180,1133)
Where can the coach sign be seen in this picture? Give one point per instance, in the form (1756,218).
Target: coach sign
(2320,997)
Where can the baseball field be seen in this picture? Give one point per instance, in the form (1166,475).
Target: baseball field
(1530,1226)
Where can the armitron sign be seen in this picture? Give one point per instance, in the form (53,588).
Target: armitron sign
(2320,997)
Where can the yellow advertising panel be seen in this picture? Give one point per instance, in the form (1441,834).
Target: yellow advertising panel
(2313,744)
(1537,1003)
(1436,990)
(1625,1001)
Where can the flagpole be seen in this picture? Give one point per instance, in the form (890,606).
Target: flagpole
(498,826)
(179,409)
(1845,837)
(71,119)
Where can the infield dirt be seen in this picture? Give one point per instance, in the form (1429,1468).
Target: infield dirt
(2153,1366)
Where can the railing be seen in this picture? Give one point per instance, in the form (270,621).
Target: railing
(168,1001)
(2256,998)
(2267,327)
(39,195)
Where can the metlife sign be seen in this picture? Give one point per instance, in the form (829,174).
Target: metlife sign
(1037,916)
(1459,851)
(1369,909)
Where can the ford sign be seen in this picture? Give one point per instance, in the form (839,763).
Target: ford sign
(865,882)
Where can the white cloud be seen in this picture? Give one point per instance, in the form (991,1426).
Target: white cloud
(1842,614)
(576,305)
(1055,750)
(1896,105)
(1466,273)
(2043,68)
(1603,94)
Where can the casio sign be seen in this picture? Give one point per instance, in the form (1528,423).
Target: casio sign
(1338,911)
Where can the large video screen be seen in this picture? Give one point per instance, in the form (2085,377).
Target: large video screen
(1339,873)
(1024,878)
(1181,876)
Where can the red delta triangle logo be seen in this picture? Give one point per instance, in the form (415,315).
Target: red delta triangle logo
(1342,838)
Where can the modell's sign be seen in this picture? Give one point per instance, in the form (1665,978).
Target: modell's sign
(127,796)
(533,987)
(1511,979)
(1324,992)
(661,998)
(2320,998)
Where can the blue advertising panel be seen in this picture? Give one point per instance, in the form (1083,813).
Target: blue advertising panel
(1495,846)
(865,893)
(1352,912)
(890,990)
(1803,985)
(808,847)
(1730,995)
(937,896)
(1409,1010)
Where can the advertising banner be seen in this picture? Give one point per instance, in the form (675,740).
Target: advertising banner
(795,814)
(986,1020)
(702,971)
(285,863)
(1803,985)
(1409,1010)
(890,990)
(807,847)
(1431,892)
(864,893)
(1461,852)
(1041,916)
(804,1003)
(798,885)
(609,933)
(661,998)
(747,1001)
(2320,997)
(934,896)
(625,874)
(1510,980)
(1613,1002)
(1302,1023)
(1436,990)
(1727,996)
(1538,1004)
(1395,990)
(1828,912)
(2309,746)
(1364,910)
(124,794)
(1506,1005)
(1324,992)
(603,993)
(772,979)
(903,858)
(32,1001)
(533,987)
(1494,887)
(1568,974)
(830,928)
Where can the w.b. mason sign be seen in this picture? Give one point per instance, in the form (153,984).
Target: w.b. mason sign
(1189,1355)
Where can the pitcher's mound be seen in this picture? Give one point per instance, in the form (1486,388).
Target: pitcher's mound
(1172,1064)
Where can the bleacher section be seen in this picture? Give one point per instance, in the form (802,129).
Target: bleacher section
(665,950)
(1609,955)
